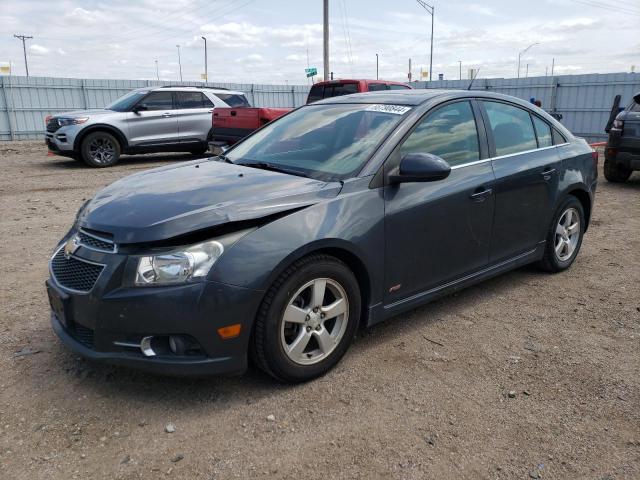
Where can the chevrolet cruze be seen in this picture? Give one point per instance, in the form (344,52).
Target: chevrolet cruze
(336,216)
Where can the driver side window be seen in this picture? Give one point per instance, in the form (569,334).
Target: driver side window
(449,132)
(158,101)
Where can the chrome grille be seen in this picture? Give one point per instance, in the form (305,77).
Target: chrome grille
(74,273)
(95,242)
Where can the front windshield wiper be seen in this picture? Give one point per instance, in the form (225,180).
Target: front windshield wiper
(273,168)
(224,158)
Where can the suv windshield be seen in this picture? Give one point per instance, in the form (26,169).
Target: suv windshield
(324,142)
(124,103)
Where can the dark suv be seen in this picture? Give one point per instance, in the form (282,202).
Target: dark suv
(622,155)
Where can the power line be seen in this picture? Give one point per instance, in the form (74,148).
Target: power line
(609,7)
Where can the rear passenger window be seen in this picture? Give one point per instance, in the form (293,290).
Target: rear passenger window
(191,100)
(543,131)
(512,128)
(558,138)
(449,132)
(376,87)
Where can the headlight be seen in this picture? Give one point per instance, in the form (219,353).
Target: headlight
(178,266)
(63,121)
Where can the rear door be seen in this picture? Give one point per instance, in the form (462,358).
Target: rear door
(527,168)
(157,123)
(194,111)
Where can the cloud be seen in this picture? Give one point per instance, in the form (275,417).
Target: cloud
(80,15)
(480,9)
(36,49)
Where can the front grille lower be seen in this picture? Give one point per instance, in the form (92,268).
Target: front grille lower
(73,273)
(95,242)
(52,125)
(82,334)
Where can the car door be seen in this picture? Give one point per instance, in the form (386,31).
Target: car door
(153,120)
(526,167)
(194,111)
(436,232)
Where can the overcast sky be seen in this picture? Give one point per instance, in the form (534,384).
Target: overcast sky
(266,41)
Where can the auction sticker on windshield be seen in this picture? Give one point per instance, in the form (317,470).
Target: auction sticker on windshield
(395,109)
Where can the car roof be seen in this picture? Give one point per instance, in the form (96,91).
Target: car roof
(356,80)
(188,88)
(416,97)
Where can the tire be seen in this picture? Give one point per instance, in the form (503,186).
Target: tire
(562,246)
(100,149)
(616,173)
(316,341)
(199,151)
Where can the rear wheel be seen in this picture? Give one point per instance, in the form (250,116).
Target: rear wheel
(100,149)
(564,237)
(616,173)
(307,319)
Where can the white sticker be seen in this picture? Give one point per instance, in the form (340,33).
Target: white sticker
(395,109)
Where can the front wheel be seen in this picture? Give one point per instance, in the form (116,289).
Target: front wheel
(100,149)
(307,319)
(565,236)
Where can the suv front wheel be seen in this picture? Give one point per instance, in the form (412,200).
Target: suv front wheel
(100,149)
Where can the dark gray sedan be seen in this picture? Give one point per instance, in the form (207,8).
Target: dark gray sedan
(339,215)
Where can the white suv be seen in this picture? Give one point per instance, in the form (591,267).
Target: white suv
(156,119)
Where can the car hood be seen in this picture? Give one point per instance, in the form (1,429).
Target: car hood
(85,113)
(174,200)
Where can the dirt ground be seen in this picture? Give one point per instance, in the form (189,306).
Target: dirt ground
(424,396)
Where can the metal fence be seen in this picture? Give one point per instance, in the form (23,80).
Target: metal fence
(583,100)
(25,101)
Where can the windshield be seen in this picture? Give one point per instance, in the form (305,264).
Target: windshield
(324,142)
(124,103)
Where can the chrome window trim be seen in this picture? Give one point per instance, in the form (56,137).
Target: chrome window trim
(500,157)
(73,290)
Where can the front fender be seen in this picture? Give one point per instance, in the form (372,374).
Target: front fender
(352,223)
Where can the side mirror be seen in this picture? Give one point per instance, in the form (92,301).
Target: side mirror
(420,167)
(139,108)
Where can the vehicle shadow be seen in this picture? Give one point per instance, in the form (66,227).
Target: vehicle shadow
(130,385)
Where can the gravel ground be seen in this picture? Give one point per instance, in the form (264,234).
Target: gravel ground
(528,375)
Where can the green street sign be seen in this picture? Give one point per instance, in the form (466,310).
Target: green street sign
(311,71)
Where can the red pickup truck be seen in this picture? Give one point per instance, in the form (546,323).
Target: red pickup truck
(233,124)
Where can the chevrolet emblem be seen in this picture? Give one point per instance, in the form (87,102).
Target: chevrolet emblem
(71,246)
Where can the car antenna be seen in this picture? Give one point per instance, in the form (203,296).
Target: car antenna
(473,79)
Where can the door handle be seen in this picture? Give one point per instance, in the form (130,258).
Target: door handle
(166,115)
(480,194)
(546,173)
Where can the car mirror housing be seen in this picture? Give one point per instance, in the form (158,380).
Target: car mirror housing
(420,167)
(139,108)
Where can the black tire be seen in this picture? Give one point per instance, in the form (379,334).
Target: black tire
(551,262)
(267,350)
(616,173)
(100,149)
(200,150)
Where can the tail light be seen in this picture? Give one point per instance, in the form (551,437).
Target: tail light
(594,156)
(619,124)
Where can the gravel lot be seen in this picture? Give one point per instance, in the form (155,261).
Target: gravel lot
(528,375)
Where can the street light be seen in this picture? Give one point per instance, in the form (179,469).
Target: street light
(460,63)
(524,51)
(430,9)
(179,61)
(206,69)
(376,66)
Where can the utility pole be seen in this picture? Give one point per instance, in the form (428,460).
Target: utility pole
(179,62)
(460,63)
(524,51)
(409,75)
(526,74)
(206,68)
(431,10)
(553,64)
(325,38)
(157,71)
(24,38)
(376,66)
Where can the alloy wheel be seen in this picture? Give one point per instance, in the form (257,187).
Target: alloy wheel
(102,150)
(314,321)
(567,234)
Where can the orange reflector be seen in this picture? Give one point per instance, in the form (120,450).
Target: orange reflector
(230,331)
